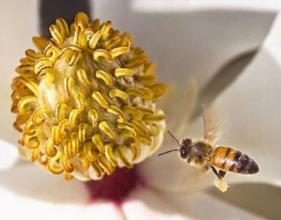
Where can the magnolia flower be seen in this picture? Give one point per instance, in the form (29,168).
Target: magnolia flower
(158,187)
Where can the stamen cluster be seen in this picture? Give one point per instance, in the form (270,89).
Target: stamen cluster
(85,100)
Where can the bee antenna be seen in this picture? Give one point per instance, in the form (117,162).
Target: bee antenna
(169,151)
(173,137)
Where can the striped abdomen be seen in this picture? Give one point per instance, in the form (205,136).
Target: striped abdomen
(228,159)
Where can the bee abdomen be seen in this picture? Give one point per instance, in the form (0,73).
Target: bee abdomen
(232,160)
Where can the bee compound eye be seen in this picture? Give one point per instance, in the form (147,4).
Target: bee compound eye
(183,152)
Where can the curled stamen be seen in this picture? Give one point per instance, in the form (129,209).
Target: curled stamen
(69,85)
(98,97)
(90,152)
(116,111)
(105,28)
(119,51)
(118,93)
(41,66)
(25,104)
(56,34)
(85,101)
(94,40)
(81,19)
(31,141)
(94,117)
(96,139)
(101,54)
(107,129)
(40,42)
(109,154)
(83,78)
(127,126)
(54,164)
(73,117)
(123,72)
(105,77)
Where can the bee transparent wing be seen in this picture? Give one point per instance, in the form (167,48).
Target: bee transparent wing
(194,180)
(210,123)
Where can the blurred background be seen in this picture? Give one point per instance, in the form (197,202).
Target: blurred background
(211,42)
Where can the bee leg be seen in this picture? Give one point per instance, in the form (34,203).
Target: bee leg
(220,182)
(216,172)
(222,173)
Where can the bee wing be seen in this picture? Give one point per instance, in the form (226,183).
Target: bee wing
(210,123)
(194,180)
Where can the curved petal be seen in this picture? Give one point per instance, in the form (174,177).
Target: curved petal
(14,206)
(191,43)
(8,155)
(29,180)
(146,204)
(251,106)
(252,115)
(251,122)
(204,206)
(14,41)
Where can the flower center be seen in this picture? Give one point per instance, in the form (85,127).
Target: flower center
(86,101)
(115,187)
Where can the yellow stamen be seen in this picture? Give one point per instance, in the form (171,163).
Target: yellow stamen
(85,100)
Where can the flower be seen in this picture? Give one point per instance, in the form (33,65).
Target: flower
(29,192)
(86,101)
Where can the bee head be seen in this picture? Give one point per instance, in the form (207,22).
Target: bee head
(185,148)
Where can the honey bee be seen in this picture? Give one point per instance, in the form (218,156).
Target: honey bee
(205,153)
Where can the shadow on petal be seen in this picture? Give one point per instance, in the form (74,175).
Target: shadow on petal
(252,197)
(29,180)
(8,155)
(146,204)
(191,43)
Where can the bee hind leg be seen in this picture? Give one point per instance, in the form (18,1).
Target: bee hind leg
(222,173)
(220,182)
(216,172)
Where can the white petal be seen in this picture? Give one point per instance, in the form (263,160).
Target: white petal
(14,41)
(192,44)
(14,206)
(27,192)
(251,120)
(252,105)
(145,204)
(29,180)
(182,5)
(204,206)
(8,155)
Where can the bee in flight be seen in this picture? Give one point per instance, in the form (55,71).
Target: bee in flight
(205,154)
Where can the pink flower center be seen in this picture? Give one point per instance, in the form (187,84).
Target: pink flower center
(115,187)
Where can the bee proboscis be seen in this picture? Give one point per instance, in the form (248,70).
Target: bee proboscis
(205,154)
